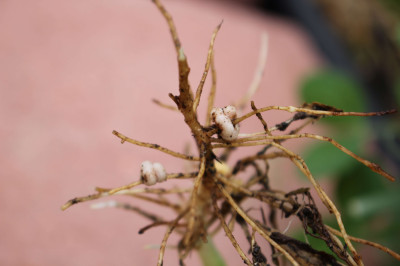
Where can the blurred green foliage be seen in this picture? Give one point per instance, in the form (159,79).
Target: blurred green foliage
(392,5)
(368,202)
(398,33)
(209,254)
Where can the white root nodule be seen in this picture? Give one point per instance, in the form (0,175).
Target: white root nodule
(223,117)
(152,173)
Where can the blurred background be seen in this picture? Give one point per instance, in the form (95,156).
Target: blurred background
(359,42)
(73,71)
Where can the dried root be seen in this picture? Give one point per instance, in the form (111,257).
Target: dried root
(217,194)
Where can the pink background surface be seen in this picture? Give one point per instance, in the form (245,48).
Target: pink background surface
(71,72)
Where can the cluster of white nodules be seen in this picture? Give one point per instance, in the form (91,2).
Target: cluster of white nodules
(223,117)
(152,173)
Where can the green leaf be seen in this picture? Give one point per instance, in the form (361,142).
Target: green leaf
(359,181)
(333,88)
(315,243)
(325,160)
(209,254)
(398,32)
(374,204)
